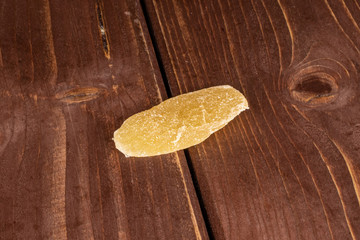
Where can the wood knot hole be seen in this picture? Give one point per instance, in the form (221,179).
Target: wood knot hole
(314,89)
(314,85)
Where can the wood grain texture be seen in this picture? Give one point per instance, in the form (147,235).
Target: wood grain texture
(288,168)
(70,73)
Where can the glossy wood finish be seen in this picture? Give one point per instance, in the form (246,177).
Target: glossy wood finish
(70,73)
(288,168)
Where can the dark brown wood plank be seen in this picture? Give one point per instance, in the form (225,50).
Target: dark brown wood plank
(70,73)
(288,168)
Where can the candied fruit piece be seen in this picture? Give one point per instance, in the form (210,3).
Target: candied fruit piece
(179,122)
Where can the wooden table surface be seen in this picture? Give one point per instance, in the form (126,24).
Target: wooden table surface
(72,71)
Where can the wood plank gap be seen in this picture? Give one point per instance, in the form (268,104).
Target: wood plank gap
(156,48)
(199,195)
(169,94)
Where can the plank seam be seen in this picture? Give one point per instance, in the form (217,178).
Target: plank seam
(169,95)
(156,48)
(199,195)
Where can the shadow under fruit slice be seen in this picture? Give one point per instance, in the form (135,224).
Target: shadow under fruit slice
(179,122)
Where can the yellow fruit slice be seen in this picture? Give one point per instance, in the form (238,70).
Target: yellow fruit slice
(179,122)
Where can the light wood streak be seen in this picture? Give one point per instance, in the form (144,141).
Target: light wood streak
(337,188)
(353,173)
(340,27)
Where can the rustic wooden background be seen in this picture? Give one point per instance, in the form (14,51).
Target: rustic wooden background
(72,71)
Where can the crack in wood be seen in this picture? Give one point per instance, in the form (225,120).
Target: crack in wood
(102,29)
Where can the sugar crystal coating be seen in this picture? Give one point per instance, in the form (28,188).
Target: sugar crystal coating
(179,122)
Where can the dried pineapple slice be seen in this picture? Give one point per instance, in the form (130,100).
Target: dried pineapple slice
(179,122)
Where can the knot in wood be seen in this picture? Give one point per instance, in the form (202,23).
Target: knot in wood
(315,85)
(78,95)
